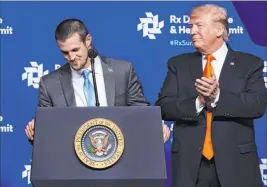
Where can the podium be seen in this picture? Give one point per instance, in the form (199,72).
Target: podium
(98,147)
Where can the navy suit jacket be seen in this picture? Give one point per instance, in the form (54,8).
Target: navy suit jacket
(242,99)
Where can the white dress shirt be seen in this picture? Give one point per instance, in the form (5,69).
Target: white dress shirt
(78,81)
(217,64)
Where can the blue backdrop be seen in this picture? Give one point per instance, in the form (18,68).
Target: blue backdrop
(28,51)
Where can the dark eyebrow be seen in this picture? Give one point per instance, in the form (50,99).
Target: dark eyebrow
(64,51)
(74,49)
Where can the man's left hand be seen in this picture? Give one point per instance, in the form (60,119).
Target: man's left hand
(166,132)
(207,87)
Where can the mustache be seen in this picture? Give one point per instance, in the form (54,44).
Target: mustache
(74,60)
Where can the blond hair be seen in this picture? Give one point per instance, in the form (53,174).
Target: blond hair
(219,14)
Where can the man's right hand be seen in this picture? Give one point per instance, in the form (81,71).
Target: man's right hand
(201,99)
(207,89)
(29,130)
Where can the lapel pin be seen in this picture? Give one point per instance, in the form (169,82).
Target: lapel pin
(232,63)
(110,70)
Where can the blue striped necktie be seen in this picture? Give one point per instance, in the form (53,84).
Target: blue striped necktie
(88,88)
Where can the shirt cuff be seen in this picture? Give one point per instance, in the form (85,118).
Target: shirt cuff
(199,107)
(214,104)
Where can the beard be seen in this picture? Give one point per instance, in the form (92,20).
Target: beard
(78,66)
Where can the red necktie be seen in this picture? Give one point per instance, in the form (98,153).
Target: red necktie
(207,148)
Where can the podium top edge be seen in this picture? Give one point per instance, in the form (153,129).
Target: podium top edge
(124,107)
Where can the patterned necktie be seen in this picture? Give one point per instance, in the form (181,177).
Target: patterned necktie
(207,148)
(88,88)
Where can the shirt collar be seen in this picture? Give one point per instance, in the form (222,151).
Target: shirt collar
(78,74)
(220,54)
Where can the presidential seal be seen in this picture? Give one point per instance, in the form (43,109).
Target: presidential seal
(99,143)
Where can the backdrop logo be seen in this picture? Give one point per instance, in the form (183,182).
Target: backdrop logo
(148,21)
(5,128)
(34,73)
(27,173)
(265,72)
(263,168)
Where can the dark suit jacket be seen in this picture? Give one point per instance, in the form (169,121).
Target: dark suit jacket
(121,82)
(242,99)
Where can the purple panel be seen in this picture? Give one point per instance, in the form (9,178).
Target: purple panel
(253,16)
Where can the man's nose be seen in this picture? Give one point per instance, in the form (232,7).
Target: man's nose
(72,56)
(192,30)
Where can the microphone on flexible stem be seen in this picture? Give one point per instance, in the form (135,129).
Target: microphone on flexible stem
(92,53)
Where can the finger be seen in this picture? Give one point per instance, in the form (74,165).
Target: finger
(199,91)
(206,87)
(165,132)
(29,135)
(214,78)
(205,94)
(199,83)
(203,83)
(165,137)
(168,133)
(216,83)
(202,88)
(31,124)
(207,80)
(215,86)
(31,130)
(28,129)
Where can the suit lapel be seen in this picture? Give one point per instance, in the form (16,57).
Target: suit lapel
(196,67)
(229,66)
(196,70)
(109,80)
(227,72)
(67,87)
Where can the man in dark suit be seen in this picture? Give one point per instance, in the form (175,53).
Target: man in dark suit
(72,84)
(213,95)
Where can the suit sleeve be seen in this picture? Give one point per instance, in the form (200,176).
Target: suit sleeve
(135,96)
(43,98)
(172,106)
(248,104)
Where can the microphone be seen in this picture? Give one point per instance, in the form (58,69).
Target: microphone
(92,53)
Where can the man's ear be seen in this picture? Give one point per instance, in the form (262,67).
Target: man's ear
(88,41)
(220,31)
